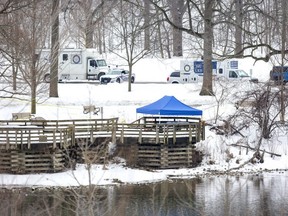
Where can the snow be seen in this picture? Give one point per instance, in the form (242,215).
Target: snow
(116,101)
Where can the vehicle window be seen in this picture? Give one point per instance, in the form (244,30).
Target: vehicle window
(101,63)
(232,74)
(175,74)
(242,73)
(93,63)
(115,72)
(65,57)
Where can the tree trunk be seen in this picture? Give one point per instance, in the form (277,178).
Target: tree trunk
(159,35)
(54,51)
(89,33)
(283,48)
(177,7)
(207,88)
(147,24)
(130,75)
(33,85)
(14,73)
(238,28)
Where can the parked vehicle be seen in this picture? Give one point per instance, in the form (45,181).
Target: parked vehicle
(176,77)
(77,64)
(117,76)
(279,73)
(192,71)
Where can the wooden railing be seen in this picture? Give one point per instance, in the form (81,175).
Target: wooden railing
(163,129)
(63,133)
(161,133)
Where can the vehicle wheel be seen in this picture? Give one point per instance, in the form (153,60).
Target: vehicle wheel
(132,79)
(118,80)
(100,74)
(47,78)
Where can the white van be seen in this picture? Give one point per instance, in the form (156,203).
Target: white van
(77,64)
(228,69)
(177,77)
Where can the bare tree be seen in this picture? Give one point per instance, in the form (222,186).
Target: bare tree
(223,88)
(242,22)
(23,52)
(260,108)
(87,17)
(128,27)
(9,34)
(204,32)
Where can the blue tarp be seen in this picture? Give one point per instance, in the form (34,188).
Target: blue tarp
(168,105)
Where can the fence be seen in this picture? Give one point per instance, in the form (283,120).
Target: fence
(23,143)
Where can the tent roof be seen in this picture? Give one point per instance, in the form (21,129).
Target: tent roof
(168,105)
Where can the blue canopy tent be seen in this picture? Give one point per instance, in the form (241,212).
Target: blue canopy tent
(169,105)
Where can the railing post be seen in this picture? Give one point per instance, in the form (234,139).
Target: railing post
(174,134)
(114,127)
(122,134)
(140,135)
(29,140)
(72,134)
(189,155)
(157,134)
(199,128)
(91,133)
(190,133)
(203,129)
(7,141)
(54,139)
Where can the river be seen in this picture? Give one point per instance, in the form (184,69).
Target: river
(262,194)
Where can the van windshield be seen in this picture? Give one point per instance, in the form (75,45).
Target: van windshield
(242,73)
(101,63)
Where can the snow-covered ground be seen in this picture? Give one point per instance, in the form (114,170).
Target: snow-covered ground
(118,102)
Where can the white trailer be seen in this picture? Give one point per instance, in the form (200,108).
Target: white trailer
(193,70)
(77,64)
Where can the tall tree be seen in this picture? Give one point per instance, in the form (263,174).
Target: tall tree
(32,31)
(177,11)
(147,17)
(9,34)
(238,28)
(53,90)
(87,16)
(207,87)
(206,35)
(283,48)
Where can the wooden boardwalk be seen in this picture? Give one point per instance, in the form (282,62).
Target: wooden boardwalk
(49,145)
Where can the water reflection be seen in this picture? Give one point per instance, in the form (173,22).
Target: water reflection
(246,195)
